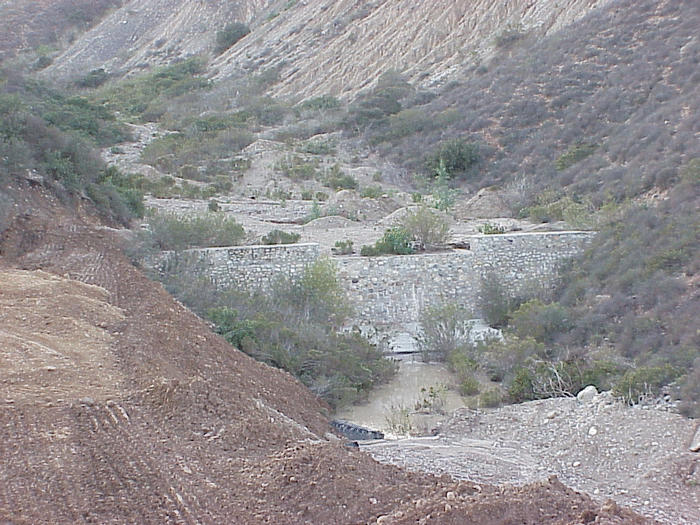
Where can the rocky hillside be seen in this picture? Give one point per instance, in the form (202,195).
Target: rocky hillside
(340,47)
(144,34)
(319,47)
(27,25)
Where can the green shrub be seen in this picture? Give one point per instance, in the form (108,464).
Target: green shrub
(501,359)
(521,386)
(542,322)
(550,208)
(644,381)
(469,386)
(427,229)
(338,180)
(456,155)
(93,79)
(491,398)
(172,232)
(323,102)
(229,35)
(396,241)
(280,237)
(372,192)
(297,168)
(496,302)
(318,147)
(491,229)
(343,247)
(213,206)
(574,154)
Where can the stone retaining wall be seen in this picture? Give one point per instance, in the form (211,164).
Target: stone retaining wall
(392,290)
(246,267)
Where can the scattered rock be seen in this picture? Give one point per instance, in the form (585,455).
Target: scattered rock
(592,431)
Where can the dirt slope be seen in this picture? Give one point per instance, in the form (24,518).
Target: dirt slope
(159,420)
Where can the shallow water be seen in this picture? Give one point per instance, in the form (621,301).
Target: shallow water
(404,392)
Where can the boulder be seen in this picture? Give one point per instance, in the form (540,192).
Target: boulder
(695,442)
(587,395)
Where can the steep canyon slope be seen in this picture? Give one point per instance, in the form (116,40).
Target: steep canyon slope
(317,47)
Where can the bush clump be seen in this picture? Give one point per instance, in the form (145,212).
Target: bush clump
(644,381)
(396,241)
(169,231)
(343,247)
(280,237)
(229,35)
(457,156)
(445,329)
(427,228)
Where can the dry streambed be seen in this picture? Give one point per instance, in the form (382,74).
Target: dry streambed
(637,456)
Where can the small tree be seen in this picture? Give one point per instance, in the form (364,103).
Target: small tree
(496,304)
(445,328)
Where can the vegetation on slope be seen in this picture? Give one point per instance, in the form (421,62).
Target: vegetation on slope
(294,326)
(49,134)
(598,125)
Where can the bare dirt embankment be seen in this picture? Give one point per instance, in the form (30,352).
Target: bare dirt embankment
(159,420)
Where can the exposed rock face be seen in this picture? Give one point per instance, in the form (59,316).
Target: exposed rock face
(318,46)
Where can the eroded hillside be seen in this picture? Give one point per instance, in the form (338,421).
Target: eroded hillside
(321,46)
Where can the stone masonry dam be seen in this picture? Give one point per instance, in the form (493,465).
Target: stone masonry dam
(390,291)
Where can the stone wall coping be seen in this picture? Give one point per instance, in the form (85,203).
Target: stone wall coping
(527,234)
(252,247)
